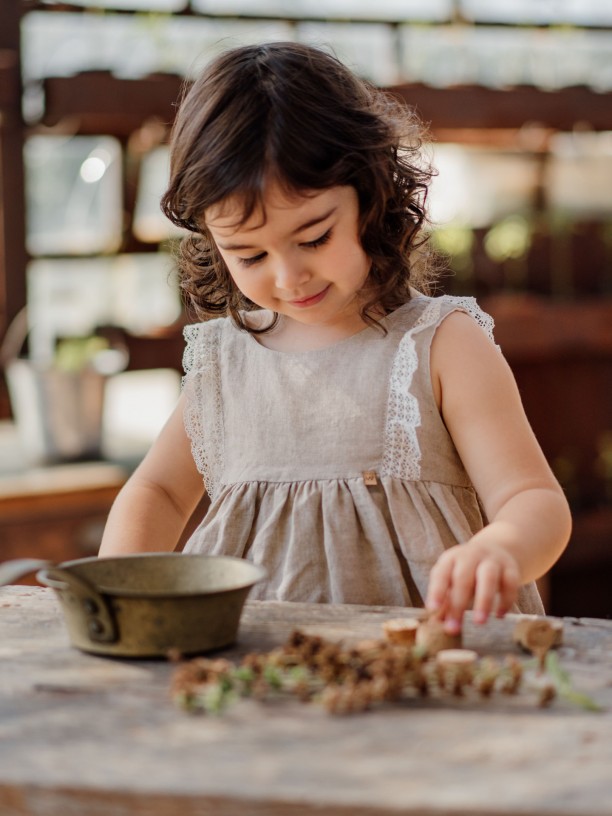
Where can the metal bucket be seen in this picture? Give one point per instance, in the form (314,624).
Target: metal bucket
(58,414)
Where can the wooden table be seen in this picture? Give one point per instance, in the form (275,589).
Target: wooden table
(85,735)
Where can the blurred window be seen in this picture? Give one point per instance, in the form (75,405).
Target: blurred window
(522,12)
(150,224)
(71,296)
(528,12)
(62,44)
(74,195)
(477,186)
(578,178)
(347,9)
(130,46)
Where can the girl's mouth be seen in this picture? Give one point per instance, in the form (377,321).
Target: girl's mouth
(303,303)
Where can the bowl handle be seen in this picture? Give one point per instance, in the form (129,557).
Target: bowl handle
(11,571)
(87,607)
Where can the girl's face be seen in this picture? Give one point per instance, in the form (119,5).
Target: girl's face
(299,255)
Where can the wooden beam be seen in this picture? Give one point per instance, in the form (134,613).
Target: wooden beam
(13,256)
(9,83)
(473,106)
(99,102)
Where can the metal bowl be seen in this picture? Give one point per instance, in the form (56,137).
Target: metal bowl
(149,605)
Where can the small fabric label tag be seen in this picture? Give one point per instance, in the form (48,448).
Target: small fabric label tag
(369,477)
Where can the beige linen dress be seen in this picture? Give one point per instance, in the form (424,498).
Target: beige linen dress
(331,468)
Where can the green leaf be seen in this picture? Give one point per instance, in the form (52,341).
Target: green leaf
(563,684)
(273,677)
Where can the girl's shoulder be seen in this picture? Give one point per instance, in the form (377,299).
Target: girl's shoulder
(423,311)
(202,342)
(192,331)
(203,339)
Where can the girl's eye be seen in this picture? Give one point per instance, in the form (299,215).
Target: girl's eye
(252,261)
(323,239)
(319,241)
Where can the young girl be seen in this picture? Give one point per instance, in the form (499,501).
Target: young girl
(363,441)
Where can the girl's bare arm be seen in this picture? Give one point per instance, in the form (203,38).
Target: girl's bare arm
(529,518)
(153,507)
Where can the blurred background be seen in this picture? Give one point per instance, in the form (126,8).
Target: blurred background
(517,95)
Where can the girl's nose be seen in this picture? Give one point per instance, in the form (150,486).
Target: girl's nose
(291,273)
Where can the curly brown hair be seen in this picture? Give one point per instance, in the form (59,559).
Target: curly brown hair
(296,113)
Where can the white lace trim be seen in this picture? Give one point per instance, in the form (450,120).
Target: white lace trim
(402,453)
(203,415)
(469,305)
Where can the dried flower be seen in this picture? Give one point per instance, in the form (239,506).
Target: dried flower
(346,680)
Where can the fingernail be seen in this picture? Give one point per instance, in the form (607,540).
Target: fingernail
(479,617)
(452,626)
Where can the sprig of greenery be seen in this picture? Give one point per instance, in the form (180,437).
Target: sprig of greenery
(564,686)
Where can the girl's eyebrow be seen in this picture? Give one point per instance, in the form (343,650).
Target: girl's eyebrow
(312,223)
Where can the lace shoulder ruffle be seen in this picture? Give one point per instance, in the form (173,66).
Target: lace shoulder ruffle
(203,414)
(200,339)
(469,305)
(402,453)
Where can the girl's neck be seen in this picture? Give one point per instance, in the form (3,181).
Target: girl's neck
(292,336)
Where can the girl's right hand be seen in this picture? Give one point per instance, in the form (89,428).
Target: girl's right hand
(476,574)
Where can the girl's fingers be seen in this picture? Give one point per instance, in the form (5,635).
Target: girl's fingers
(488,576)
(508,589)
(461,576)
(463,585)
(439,583)
(451,588)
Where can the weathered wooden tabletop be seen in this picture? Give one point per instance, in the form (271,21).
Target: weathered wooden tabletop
(82,735)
